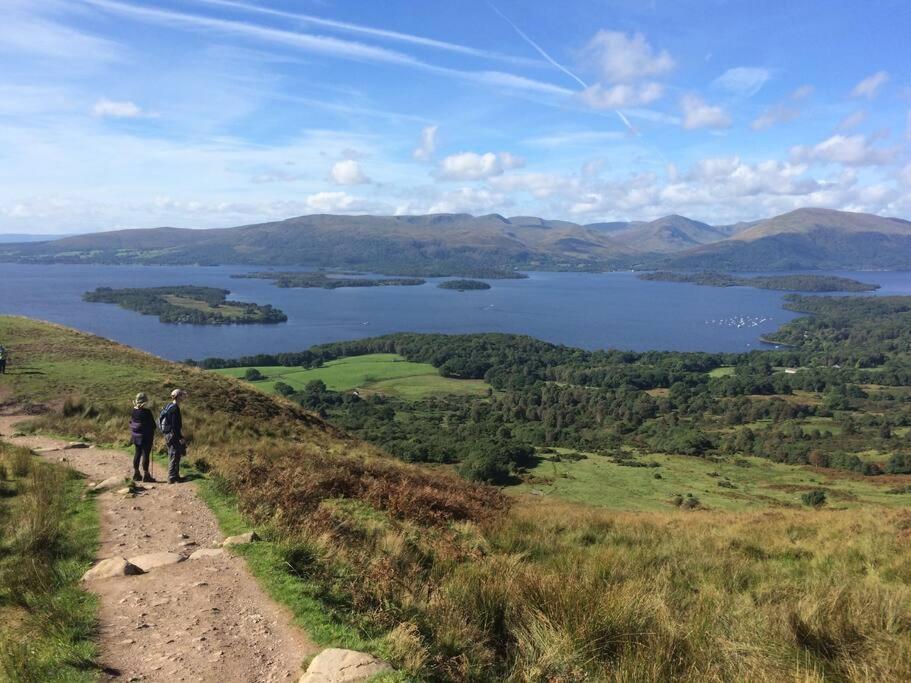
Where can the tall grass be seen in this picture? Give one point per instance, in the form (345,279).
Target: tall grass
(48,536)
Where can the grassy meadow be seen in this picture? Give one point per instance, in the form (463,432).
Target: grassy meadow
(453,581)
(728,484)
(383,373)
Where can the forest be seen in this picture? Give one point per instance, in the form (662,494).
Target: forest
(463,285)
(838,396)
(324,281)
(785,283)
(188,304)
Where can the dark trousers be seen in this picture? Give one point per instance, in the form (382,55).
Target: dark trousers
(2,367)
(176,451)
(141,455)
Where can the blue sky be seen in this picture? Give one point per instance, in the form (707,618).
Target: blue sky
(203,113)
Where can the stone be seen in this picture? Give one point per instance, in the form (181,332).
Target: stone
(240,539)
(111,567)
(335,665)
(108,483)
(206,552)
(153,560)
(75,444)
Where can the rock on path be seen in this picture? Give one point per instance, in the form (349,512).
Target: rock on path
(206,620)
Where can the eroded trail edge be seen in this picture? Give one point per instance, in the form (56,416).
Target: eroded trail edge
(200,619)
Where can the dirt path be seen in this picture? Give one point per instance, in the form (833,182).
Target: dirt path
(199,620)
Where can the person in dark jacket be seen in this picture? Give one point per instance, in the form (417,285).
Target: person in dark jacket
(142,433)
(171,425)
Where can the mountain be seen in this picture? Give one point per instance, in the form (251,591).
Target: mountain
(666,235)
(496,246)
(806,239)
(440,244)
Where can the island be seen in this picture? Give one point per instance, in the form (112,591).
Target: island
(323,281)
(785,283)
(188,304)
(463,285)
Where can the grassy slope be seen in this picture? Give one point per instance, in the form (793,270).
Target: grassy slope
(48,536)
(386,373)
(459,590)
(762,484)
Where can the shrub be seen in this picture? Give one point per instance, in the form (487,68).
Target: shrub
(253,375)
(815,498)
(283,389)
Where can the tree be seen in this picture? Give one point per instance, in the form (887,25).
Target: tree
(253,375)
(283,389)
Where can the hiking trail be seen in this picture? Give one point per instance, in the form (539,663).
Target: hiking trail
(202,619)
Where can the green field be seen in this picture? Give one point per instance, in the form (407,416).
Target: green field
(723,371)
(759,483)
(383,373)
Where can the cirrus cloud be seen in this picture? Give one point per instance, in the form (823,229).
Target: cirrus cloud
(871,85)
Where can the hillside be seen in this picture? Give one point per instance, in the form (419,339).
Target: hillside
(491,245)
(450,582)
(807,239)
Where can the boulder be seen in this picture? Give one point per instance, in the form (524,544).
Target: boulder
(152,560)
(240,539)
(113,566)
(108,483)
(335,665)
(206,552)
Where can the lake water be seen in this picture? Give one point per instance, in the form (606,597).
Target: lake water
(607,310)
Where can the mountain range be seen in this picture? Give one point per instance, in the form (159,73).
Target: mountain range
(492,245)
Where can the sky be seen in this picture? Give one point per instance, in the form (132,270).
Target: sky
(212,113)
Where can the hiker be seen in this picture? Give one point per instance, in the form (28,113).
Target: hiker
(4,355)
(142,433)
(171,425)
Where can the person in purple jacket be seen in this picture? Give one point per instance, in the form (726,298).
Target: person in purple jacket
(142,432)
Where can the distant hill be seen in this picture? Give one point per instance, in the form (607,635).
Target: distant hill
(807,239)
(15,237)
(492,245)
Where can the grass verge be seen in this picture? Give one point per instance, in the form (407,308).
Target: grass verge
(48,538)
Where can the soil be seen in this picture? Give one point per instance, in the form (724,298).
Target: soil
(199,620)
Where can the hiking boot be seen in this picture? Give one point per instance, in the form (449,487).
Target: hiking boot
(137,476)
(148,478)
(173,481)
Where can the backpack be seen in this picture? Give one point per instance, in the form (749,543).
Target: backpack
(163,423)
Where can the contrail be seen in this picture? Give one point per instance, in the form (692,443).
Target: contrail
(540,50)
(537,47)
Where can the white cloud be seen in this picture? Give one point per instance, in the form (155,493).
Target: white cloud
(473,166)
(852,121)
(621,95)
(470,200)
(850,150)
(871,85)
(348,172)
(539,185)
(699,114)
(335,202)
(619,57)
(744,81)
(427,144)
(123,109)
